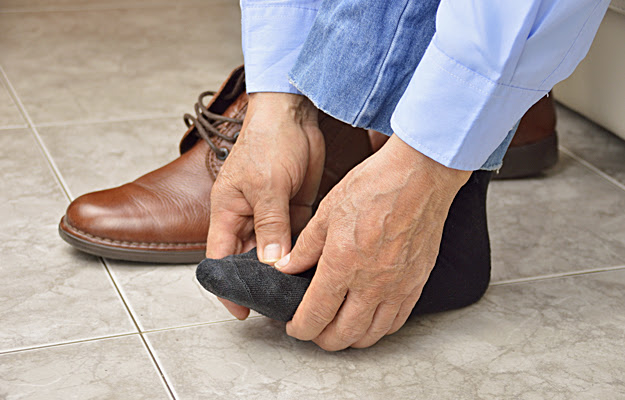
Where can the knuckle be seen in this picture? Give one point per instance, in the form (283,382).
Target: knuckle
(270,219)
(370,299)
(334,282)
(329,345)
(267,219)
(367,341)
(348,335)
(395,300)
(378,332)
(319,317)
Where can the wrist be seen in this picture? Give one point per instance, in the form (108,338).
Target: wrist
(410,160)
(286,106)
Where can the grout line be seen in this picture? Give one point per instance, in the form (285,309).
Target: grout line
(120,335)
(170,328)
(9,127)
(161,372)
(136,323)
(59,344)
(33,129)
(172,391)
(592,168)
(558,275)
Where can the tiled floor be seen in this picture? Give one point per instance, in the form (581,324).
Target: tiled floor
(91,95)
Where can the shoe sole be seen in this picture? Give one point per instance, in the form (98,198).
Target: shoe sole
(134,255)
(529,160)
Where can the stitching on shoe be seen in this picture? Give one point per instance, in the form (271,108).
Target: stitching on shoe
(129,243)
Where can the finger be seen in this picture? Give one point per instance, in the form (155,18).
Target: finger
(239,312)
(273,228)
(382,322)
(224,235)
(350,324)
(307,249)
(319,306)
(230,222)
(405,310)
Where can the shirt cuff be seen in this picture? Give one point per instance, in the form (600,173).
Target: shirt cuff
(456,116)
(273,36)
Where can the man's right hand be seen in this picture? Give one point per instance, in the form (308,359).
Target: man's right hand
(268,183)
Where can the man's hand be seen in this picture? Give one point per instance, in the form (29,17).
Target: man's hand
(375,239)
(269,181)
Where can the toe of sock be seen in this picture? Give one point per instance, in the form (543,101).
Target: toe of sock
(246,281)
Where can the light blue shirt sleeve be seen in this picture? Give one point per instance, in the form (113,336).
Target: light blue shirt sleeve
(273,32)
(489,61)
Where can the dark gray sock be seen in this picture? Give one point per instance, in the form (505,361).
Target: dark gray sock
(459,278)
(250,283)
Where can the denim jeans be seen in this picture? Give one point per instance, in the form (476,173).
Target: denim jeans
(359,57)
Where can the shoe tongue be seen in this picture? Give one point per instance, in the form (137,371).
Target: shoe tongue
(236,109)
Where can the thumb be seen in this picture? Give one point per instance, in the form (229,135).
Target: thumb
(273,228)
(307,249)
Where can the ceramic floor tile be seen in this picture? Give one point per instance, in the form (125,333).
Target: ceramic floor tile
(56,5)
(569,220)
(117,368)
(586,139)
(112,64)
(99,156)
(65,5)
(48,293)
(166,296)
(9,113)
(555,339)
(160,296)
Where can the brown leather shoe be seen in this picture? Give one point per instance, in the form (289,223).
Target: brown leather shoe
(163,216)
(534,147)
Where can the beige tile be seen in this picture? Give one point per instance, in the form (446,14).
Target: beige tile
(59,5)
(48,293)
(166,296)
(111,64)
(65,5)
(569,220)
(594,144)
(118,368)
(9,113)
(555,339)
(99,156)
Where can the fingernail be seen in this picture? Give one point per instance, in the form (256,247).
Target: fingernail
(283,261)
(272,253)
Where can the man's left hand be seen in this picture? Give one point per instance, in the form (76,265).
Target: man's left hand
(375,239)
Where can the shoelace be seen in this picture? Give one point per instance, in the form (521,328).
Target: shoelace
(206,125)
